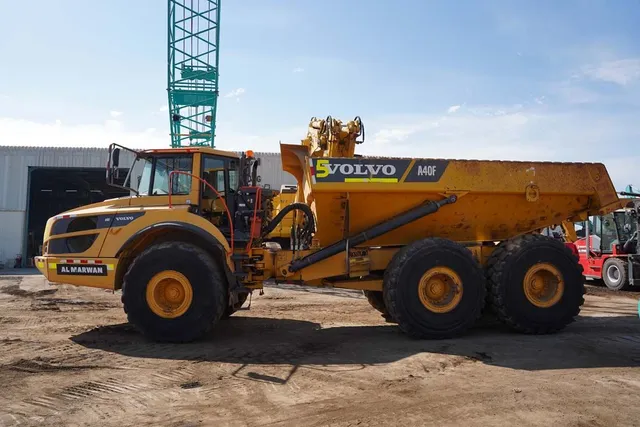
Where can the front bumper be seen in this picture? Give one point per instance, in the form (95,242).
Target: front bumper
(91,272)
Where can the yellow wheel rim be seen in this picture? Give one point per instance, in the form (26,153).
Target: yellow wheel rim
(169,294)
(543,285)
(440,289)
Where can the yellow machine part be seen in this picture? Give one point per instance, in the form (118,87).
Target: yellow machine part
(283,229)
(332,138)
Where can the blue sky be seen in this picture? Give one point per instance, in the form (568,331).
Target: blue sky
(514,80)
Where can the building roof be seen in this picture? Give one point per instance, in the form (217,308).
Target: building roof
(105,149)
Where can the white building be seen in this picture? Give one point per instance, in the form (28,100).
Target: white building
(39,182)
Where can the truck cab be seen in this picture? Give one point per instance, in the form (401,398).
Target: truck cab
(193,192)
(608,247)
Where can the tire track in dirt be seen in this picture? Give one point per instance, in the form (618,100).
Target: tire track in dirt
(94,396)
(113,397)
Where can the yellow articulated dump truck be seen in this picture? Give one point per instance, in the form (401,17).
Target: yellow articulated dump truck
(431,242)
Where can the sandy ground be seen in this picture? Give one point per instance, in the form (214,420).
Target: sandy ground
(307,358)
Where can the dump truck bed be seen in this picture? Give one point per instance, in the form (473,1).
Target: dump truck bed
(496,199)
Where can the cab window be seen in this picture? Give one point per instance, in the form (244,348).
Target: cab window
(609,237)
(213,173)
(595,233)
(159,171)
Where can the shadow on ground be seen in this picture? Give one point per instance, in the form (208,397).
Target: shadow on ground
(590,342)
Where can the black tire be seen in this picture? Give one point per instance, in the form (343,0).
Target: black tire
(207,282)
(615,274)
(230,309)
(506,270)
(401,284)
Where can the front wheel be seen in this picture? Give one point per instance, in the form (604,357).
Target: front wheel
(614,274)
(174,292)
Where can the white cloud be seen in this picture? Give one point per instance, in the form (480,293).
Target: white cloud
(453,109)
(479,133)
(575,94)
(165,107)
(236,93)
(298,70)
(115,114)
(622,71)
(539,100)
(57,134)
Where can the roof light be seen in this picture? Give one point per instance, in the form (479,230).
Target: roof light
(249,153)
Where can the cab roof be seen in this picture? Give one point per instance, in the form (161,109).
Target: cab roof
(205,150)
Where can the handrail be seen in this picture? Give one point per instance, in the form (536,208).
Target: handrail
(214,190)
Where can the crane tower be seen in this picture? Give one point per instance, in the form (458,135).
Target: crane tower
(193,57)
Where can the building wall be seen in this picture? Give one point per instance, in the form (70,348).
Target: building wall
(14,177)
(11,236)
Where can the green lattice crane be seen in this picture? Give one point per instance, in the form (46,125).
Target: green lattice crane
(193,57)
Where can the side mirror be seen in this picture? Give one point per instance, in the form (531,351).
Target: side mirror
(115,158)
(113,163)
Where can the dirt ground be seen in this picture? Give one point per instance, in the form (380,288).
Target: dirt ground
(307,358)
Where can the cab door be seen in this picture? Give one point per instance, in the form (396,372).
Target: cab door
(216,200)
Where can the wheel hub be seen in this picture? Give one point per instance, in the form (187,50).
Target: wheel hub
(440,290)
(543,285)
(169,294)
(613,273)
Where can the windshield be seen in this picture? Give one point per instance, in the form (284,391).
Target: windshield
(144,180)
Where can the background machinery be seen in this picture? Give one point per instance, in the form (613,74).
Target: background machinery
(608,244)
(434,240)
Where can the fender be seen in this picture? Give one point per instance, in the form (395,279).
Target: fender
(178,225)
(183,226)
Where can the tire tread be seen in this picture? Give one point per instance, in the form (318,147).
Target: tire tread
(495,270)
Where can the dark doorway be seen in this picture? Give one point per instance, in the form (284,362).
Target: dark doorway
(55,190)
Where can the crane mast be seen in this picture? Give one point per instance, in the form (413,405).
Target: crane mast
(193,57)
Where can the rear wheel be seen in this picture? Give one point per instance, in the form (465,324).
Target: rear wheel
(536,284)
(376,300)
(614,274)
(174,292)
(434,288)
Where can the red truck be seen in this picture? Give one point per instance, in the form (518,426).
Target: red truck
(608,246)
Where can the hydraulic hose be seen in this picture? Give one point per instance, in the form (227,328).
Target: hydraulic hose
(294,206)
